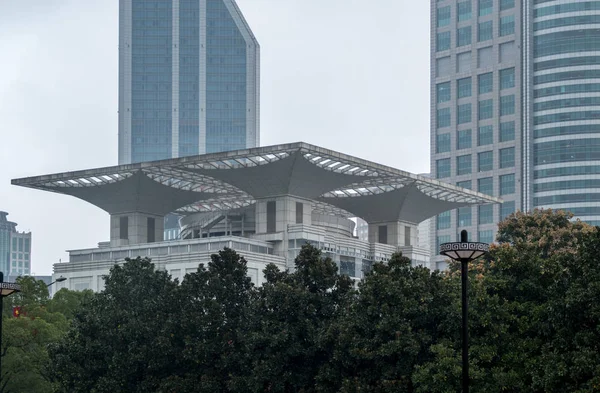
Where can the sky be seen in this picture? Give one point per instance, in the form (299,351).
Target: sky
(348,75)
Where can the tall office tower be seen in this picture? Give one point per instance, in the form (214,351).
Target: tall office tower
(15,248)
(515,108)
(188,79)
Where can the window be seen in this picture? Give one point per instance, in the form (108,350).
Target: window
(463,62)
(382,234)
(347,267)
(464,10)
(443,220)
(442,168)
(299,212)
(443,92)
(506,4)
(485,31)
(443,41)
(485,185)
(464,184)
(507,131)
(463,87)
(507,157)
(507,52)
(463,36)
(507,25)
(485,136)
(150,229)
(407,231)
(507,78)
(442,239)
(463,165)
(507,105)
(124,227)
(21,244)
(27,245)
(464,216)
(486,214)
(463,140)
(463,114)
(271,217)
(485,57)
(442,144)
(443,66)
(443,16)
(485,7)
(486,109)
(486,161)
(486,236)
(443,117)
(506,209)
(485,83)
(507,184)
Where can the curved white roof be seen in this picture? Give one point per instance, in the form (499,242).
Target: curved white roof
(336,183)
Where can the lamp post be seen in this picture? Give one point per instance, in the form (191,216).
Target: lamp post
(6,289)
(60,279)
(464,252)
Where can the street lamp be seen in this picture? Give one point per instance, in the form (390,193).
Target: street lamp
(6,289)
(60,279)
(464,252)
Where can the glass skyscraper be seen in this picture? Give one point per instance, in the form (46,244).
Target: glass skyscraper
(15,249)
(188,79)
(515,108)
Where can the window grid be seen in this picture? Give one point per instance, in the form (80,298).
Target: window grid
(486,161)
(485,135)
(463,165)
(463,140)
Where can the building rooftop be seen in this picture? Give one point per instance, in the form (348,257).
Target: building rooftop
(337,183)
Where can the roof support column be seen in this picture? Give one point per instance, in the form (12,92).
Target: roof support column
(394,233)
(135,228)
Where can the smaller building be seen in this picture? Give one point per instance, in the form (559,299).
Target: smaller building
(15,248)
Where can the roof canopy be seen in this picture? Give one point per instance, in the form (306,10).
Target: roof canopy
(336,183)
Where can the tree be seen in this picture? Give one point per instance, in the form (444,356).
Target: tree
(124,339)
(291,316)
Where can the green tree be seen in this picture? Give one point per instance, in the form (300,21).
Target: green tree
(124,339)
(291,316)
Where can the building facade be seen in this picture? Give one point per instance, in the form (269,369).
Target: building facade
(188,79)
(15,248)
(264,202)
(515,104)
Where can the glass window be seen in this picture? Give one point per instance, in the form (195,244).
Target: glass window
(507,78)
(443,92)
(507,131)
(21,244)
(485,83)
(507,157)
(486,109)
(463,36)
(463,114)
(442,143)
(486,236)
(463,62)
(464,184)
(485,185)
(464,216)
(485,57)
(485,7)
(485,136)
(14,243)
(507,52)
(464,87)
(463,140)
(443,16)
(485,31)
(507,105)
(443,66)
(443,220)
(442,168)
(27,245)
(486,214)
(443,41)
(463,165)
(506,209)
(442,239)
(464,10)
(507,184)
(486,161)
(507,25)
(443,117)
(506,4)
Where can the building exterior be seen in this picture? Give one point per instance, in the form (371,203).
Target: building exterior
(188,79)
(15,248)
(515,108)
(263,202)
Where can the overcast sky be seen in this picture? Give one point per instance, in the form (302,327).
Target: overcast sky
(348,75)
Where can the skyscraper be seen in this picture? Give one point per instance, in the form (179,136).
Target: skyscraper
(515,108)
(188,79)
(15,248)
